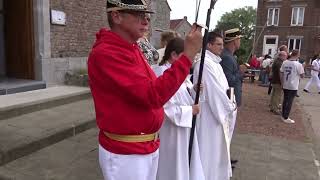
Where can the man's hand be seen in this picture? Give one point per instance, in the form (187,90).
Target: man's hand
(193,42)
(195,109)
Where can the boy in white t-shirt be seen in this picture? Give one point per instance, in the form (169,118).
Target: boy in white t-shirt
(315,69)
(291,72)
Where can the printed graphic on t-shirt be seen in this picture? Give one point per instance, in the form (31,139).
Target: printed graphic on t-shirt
(288,72)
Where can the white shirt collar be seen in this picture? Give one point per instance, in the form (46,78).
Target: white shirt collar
(212,56)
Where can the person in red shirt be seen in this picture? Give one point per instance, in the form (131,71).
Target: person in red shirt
(254,63)
(128,97)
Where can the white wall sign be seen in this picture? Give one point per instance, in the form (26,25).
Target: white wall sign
(58,17)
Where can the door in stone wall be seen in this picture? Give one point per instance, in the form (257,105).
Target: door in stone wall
(19,38)
(2,58)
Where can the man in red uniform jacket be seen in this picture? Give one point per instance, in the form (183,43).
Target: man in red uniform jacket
(127,95)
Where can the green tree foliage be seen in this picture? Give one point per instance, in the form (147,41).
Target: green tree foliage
(244,19)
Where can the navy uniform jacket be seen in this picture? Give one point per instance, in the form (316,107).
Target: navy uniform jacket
(231,70)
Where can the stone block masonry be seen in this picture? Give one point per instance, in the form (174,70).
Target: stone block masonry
(83,19)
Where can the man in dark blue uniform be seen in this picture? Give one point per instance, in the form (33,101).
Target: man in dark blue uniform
(230,66)
(229,63)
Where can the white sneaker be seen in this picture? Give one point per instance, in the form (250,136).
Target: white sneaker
(289,121)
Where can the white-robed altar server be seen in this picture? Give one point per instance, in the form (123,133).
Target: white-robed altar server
(175,131)
(216,115)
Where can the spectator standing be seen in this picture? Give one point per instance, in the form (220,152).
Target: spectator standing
(291,72)
(276,94)
(266,69)
(254,65)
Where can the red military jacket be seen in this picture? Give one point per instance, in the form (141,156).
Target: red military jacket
(128,97)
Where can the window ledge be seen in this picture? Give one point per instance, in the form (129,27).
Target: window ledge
(293,25)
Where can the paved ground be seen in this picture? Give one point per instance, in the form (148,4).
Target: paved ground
(255,117)
(270,158)
(72,159)
(269,149)
(310,102)
(260,158)
(263,151)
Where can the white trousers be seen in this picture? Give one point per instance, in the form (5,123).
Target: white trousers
(128,167)
(313,79)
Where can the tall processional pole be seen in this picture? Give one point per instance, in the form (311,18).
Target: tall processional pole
(204,47)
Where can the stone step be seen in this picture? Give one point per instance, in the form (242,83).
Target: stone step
(11,85)
(75,158)
(27,133)
(13,105)
(2,91)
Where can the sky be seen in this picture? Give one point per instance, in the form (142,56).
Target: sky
(181,8)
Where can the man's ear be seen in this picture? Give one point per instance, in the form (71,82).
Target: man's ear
(209,45)
(234,43)
(116,17)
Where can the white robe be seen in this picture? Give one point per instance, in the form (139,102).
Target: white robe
(314,75)
(217,119)
(174,136)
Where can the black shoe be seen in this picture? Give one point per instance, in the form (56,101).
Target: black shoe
(307,91)
(234,161)
(297,95)
(269,89)
(233,167)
